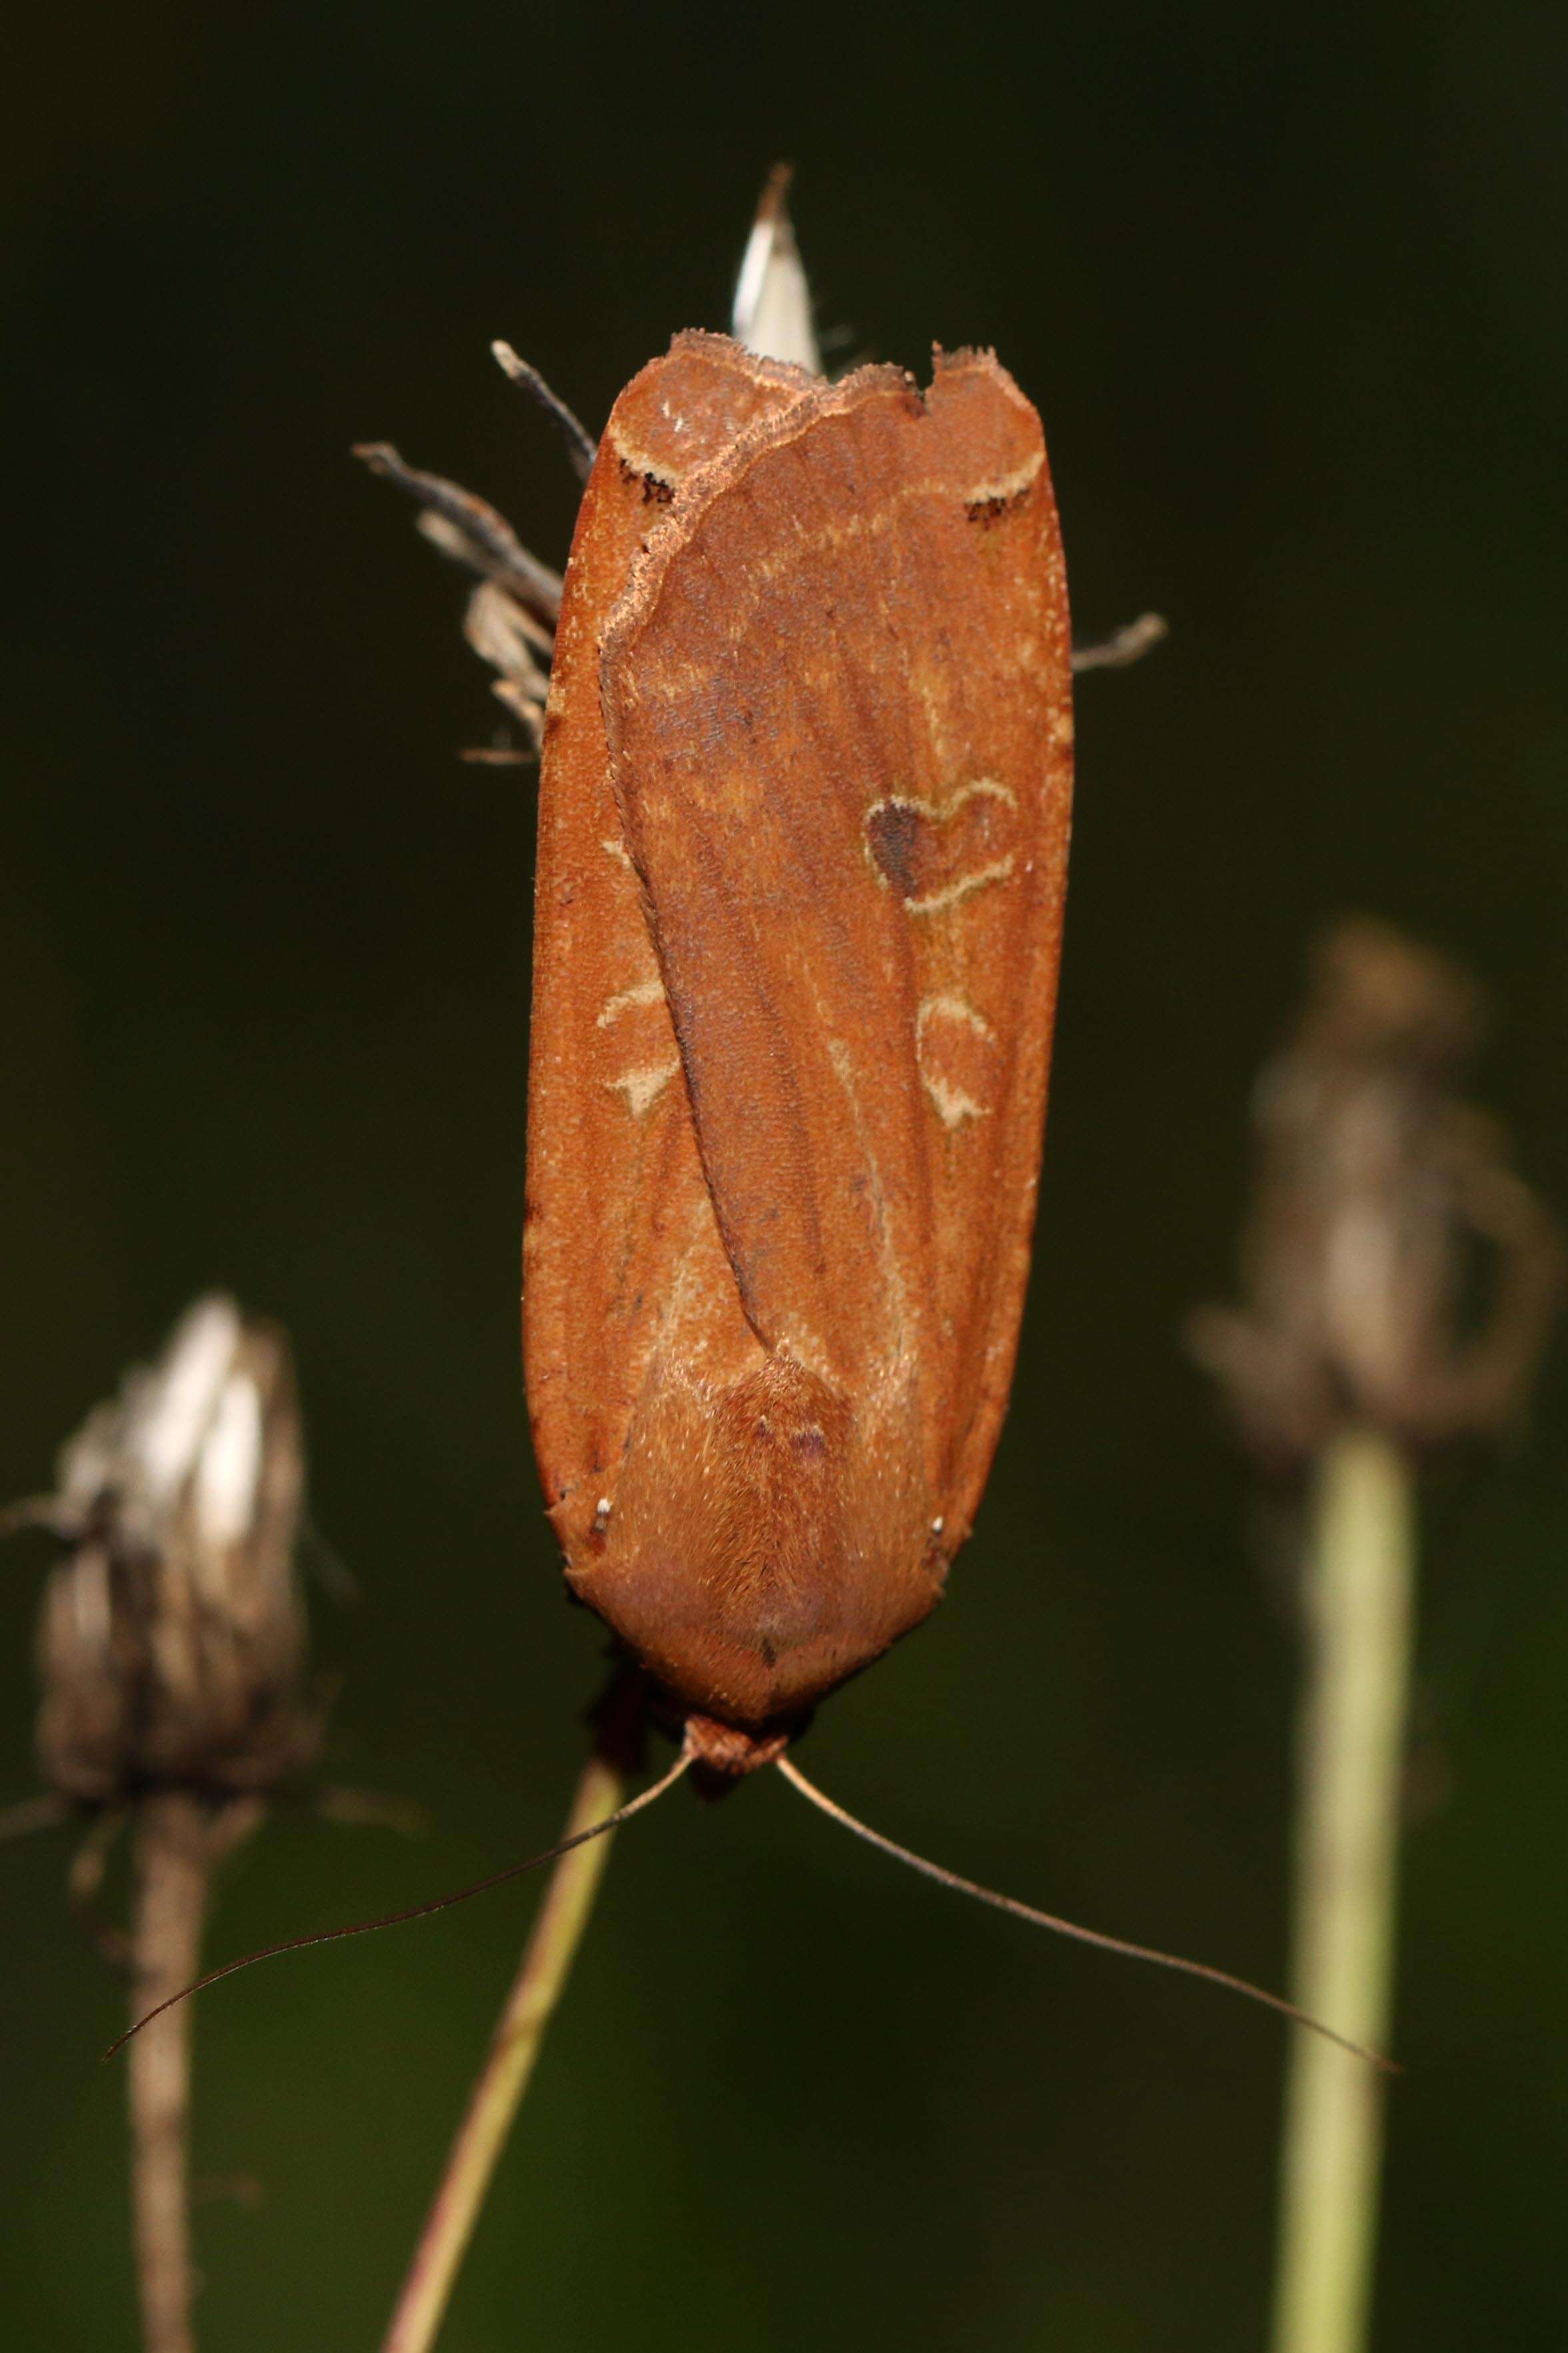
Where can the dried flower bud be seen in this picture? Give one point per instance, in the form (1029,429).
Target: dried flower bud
(773,302)
(1380,1200)
(172,1638)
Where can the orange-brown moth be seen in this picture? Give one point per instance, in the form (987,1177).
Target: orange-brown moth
(802,838)
(803,827)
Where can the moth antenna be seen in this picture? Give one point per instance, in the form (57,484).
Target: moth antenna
(1122,646)
(581,447)
(944,1878)
(636,1804)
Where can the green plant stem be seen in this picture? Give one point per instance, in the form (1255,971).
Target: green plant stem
(1359,1599)
(493,2103)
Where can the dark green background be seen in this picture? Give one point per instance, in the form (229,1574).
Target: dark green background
(1287,285)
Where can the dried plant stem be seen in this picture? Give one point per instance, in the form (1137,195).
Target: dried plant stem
(1360,1580)
(493,2103)
(173,1869)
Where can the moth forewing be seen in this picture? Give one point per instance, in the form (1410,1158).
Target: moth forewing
(832,718)
(619,1242)
(838,708)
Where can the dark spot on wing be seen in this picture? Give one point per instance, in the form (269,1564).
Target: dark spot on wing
(892,830)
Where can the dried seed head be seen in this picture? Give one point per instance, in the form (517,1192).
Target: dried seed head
(1383,1205)
(772,312)
(1378,1001)
(172,1638)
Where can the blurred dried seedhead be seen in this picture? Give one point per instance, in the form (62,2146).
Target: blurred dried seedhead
(1397,1272)
(171,1637)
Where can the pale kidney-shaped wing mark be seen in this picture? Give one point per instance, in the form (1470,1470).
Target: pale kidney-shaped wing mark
(932,856)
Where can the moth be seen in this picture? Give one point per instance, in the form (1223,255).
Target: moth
(805,804)
(803,837)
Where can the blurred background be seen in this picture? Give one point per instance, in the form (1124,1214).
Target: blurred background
(1287,288)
